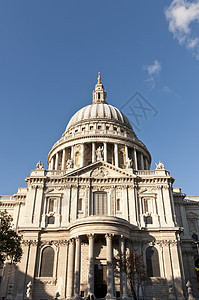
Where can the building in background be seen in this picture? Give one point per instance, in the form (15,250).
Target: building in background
(98,198)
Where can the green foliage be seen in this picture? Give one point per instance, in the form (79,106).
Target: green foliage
(10,241)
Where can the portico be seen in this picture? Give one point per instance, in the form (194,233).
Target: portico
(96,260)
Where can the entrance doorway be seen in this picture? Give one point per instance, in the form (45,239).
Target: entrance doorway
(100,286)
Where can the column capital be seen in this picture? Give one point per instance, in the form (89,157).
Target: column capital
(109,235)
(122,237)
(72,241)
(91,236)
(78,238)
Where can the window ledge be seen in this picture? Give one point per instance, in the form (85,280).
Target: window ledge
(47,280)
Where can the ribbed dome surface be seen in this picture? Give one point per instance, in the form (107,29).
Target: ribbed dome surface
(98,111)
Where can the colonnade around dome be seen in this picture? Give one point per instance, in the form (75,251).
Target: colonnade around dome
(83,154)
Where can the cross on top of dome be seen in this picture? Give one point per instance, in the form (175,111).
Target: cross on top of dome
(99,94)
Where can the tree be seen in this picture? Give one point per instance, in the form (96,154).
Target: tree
(132,265)
(10,241)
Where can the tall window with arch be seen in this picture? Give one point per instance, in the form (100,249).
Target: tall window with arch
(118,204)
(47,262)
(77,159)
(152,261)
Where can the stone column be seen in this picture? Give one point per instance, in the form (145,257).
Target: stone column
(161,207)
(126,153)
(176,271)
(93,152)
(69,288)
(135,159)
(105,152)
(72,153)
(63,159)
(82,154)
(91,264)
(50,164)
(142,161)
(123,280)
(77,267)
(56,161)
(62,267)
(109,252)
(116,154)
(168,205)
(184,221)
(147,164)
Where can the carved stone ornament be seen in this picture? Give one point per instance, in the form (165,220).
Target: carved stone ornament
(160,166)
(69,164)
(99,172)
(39,165)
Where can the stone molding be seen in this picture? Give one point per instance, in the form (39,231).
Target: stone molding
(46,280)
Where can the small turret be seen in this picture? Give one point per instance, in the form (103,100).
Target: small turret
(99,94)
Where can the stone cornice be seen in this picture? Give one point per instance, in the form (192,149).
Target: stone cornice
(7,204)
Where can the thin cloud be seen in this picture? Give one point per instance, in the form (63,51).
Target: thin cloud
(167,90)
(153,71)
(181,14)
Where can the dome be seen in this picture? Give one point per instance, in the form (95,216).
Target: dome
(98,111)
(98,131)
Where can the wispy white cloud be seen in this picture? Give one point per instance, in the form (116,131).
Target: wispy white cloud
(181,14)
(153,71)
(167,90)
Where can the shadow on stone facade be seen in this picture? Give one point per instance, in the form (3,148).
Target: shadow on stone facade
(14,286)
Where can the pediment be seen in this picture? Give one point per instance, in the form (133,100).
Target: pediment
(147,192)
(50,192)
(100,170)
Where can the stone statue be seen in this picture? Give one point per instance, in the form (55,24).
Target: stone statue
(190,291)
(99,153)
(69,164)
(129,163)
(29,290)
(39,165)
(160,166)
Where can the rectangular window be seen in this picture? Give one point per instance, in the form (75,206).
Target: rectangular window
(51,205)
(80,204)
(100,203)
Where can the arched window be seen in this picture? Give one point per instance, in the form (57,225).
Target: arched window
(121,158)
(47,262)
(118,205)
(100,203)
(152,261)
(77,159)
(80,204)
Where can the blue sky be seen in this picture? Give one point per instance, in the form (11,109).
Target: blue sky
(50,54)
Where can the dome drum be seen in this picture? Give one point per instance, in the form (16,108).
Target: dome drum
(82,154)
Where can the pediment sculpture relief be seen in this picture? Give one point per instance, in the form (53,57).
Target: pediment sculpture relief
(99,172)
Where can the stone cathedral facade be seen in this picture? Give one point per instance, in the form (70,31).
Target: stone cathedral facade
(98,198)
